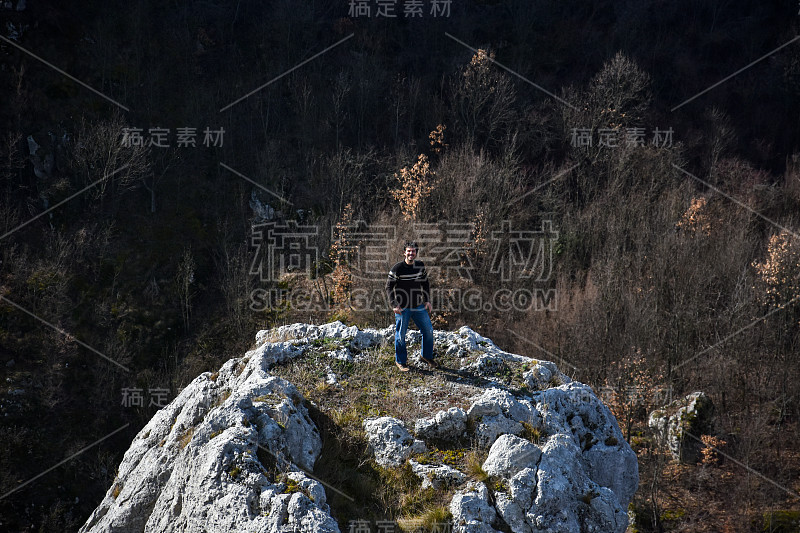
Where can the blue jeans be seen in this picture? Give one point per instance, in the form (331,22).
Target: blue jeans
(420,317)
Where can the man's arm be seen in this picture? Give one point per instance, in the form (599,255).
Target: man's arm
(391,283)
(425,285)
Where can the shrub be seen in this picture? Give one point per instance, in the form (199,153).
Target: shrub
(779,273)
(710,450)
(414,184)
(483,100)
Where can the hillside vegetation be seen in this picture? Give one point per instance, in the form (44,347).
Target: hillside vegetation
(675,262)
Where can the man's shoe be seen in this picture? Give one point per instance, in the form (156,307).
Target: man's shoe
(431,362)
(402,367)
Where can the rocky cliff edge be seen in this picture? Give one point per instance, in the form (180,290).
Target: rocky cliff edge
(236,450)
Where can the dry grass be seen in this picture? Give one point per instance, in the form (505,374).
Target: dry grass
(474,466)
(186,438)
(431,519)
(372,386)
(723,497)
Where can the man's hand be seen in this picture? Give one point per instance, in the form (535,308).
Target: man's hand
(428,307)
(397,310)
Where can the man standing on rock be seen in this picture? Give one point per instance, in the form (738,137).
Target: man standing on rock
(409,295)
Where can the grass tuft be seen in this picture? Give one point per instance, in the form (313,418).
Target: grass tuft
(474,466)
(531,433)
(186,438)
(433,519)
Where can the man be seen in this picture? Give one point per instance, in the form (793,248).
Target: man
(408,290)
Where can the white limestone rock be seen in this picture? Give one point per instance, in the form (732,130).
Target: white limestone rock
(262,211)
(309,332)
(197,465)
(357,339)
(522,486)
(466,341)
(565,496)
(272,353)
(306,516)
(342,354)
(512,513)
(582,478)
(691,415)
(390,441)
(543,375)
(486,365)
(413,336)
(367,338)
(497,412)
(444,425)
(472,512)
(33,146)
(311,487)
(202,463)
(574,410)
(437,477)
(510,454)
(330,376)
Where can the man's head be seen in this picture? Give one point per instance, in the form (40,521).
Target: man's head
(410,250)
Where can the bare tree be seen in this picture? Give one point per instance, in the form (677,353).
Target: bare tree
(484,99)
(183,284)
(104,155)
(162,162)
(340,91)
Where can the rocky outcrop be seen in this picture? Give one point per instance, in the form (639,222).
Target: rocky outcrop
(306,333)
(497,412)
(567,499)
(437,477)
(444,425)
(390,441)
(574,410)
(465,341)
(543,375)
(682,423)
(472,511)
(262,211)
(509,455)
(579,477)
(235,451)
(202,463)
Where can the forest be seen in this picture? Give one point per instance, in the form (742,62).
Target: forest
(610,185)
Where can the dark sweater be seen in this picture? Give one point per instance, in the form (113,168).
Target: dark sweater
(408,285)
